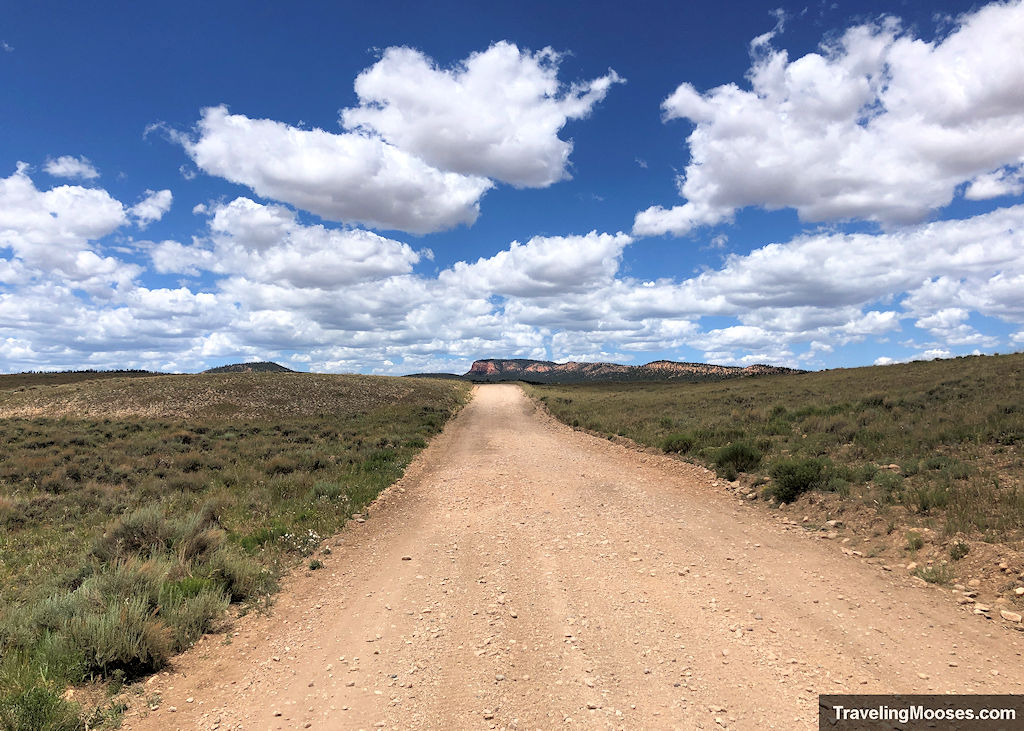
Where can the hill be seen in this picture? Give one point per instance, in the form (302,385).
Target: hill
(542,371)
(261,367)
(30,379)
(440,376)
(200,396)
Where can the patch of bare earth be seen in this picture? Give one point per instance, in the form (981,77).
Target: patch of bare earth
(523,574)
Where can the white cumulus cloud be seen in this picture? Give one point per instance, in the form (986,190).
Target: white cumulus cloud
(265,243)
(151,208)
(422,147)
(496,114)
(878,125)
(347,177)
(544,265)
(68,166)
(51,232)
(1004,182)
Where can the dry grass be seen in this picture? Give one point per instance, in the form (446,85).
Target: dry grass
(132,510)
(941,440)
(247,396)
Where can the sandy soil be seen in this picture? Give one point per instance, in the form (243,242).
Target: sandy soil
(523,574)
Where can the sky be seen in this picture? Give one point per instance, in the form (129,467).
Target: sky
(399,187)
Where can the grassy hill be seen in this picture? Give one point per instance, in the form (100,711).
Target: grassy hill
(936,444)
(133,511)
(261,367)
(14,381)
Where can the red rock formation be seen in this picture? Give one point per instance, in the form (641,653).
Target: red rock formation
(497,369)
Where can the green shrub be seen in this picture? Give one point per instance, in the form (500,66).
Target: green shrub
(189,462)
(192,482)
(9,513)
(123,580)
(192,617)
(958,550)
(123,636)
(52,660)
(139,531)
(957,470)
(836,484)
(737,457)
(914,541)
(935,574)
(865,473)
(937,462)
(196,535)
(282,465)
(174,592)
(890,484)
(261,536)
(241,577)
(793,476)
(925,498)
(683,442)
(327,490)
(379,458)
(38,708)
(49,615)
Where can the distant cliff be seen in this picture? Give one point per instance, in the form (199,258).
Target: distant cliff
(542,371)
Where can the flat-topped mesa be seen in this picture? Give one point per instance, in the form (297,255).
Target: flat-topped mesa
(542,371)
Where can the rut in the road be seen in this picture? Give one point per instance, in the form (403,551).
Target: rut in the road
(552,576)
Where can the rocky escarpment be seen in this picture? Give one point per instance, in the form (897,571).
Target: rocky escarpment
(542,371)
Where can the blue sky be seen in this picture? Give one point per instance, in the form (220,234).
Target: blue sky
(399,187)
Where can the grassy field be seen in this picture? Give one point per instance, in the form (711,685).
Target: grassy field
(14,381)
(940,442)
(134,511)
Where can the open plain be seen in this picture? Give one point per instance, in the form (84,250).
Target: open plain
(526,575)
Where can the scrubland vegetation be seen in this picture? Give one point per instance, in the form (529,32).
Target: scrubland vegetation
(133,512)
(939,441)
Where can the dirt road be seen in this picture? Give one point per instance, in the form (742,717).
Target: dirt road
(523,574)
